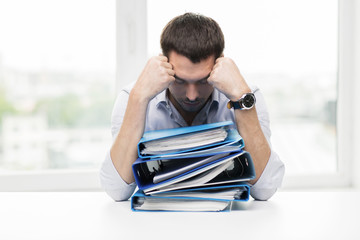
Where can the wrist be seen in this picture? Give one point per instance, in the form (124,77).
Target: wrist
(239,93)
(246,102)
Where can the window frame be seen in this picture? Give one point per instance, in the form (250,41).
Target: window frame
(131,56)
(345,177)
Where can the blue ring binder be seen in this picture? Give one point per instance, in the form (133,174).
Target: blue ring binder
(205,178)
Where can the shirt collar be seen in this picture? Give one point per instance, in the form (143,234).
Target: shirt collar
(162,99)
(215,97)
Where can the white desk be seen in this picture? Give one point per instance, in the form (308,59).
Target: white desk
(288,215)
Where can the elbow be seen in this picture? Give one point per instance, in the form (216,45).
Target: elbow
(117,196)
(117,190)
(112,183)
(262,194)
(268,184)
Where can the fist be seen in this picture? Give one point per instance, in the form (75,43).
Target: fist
(226,77)
(157,75)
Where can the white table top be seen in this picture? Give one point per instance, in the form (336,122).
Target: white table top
(93,215)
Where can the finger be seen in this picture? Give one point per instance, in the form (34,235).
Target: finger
(210,81)
(215,69)
(215,66)
(219,59)
(171,72)
(163,58)
(167,65)
(210,78)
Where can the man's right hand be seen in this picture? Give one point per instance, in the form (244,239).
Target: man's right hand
(157,75)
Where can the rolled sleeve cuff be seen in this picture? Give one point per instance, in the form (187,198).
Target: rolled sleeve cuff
(270,180)
(112,182)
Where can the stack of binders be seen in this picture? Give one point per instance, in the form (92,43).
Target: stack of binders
(197,168)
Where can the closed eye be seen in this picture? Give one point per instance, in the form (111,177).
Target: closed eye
(202,81)
(179,81)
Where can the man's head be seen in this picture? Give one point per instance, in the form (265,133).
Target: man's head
(192,43)
(190,90)
(194,36)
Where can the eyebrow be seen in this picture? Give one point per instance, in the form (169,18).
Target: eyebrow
(204,78)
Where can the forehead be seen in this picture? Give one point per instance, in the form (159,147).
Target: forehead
(185,69)
(192,80)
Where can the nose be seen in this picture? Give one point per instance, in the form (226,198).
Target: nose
(192,92)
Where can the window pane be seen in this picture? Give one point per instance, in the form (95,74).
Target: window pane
(57,76)
(288,49)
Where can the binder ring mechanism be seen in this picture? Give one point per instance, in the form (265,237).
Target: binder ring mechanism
(236,169)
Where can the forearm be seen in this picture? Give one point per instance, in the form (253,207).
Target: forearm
(255,142)
(124,149)
(156,77)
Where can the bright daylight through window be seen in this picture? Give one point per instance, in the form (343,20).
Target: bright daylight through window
(57,77)
(289,49)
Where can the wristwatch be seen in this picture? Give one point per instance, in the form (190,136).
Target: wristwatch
(247,101)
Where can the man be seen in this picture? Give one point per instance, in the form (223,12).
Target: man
(191,83)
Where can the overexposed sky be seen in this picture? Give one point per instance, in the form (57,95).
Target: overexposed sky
(288,36)
(58,34)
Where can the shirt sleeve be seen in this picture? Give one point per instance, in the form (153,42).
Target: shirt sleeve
(110,179)
(272,176)
(112,182)
(270,180)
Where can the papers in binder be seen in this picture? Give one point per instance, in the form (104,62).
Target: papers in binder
(228,194)
(193,200)
(188,205)
(184,142)
(196,180)
(225,148)
(175,168)
(217,169)
(193,141)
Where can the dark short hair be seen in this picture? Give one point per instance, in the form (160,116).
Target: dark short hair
(194,36)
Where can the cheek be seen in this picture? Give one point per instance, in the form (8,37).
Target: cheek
(206,91)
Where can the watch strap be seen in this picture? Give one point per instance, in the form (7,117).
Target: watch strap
(235,105)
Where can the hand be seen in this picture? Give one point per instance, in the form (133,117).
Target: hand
(157,75)
(226,77)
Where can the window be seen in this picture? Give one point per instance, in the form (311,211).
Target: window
(291,53)
(289,49)
(57,80)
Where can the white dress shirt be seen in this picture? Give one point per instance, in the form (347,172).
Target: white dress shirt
(161,114)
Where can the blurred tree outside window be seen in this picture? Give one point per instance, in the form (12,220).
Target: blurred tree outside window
(57,78)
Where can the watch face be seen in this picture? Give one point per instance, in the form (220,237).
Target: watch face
(248,101)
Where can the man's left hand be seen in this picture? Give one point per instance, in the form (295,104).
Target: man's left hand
(226,77)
